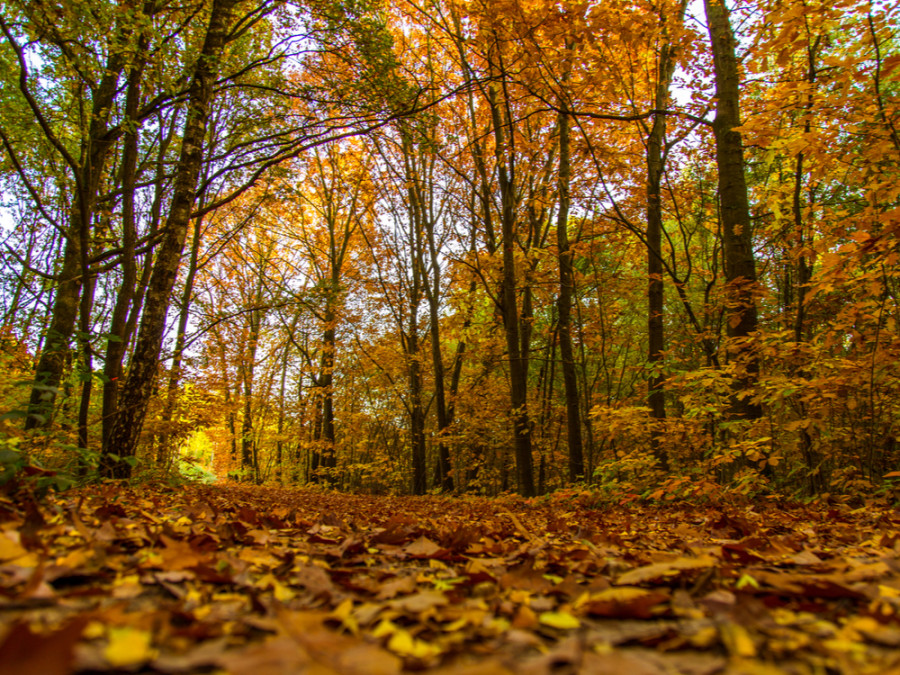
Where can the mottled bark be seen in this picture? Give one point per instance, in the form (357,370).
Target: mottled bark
(734,211)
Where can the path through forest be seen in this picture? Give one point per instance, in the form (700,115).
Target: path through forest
(260,581)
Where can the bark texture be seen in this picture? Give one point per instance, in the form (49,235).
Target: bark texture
(734,209)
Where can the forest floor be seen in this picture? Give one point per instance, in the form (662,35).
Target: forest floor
(266,581)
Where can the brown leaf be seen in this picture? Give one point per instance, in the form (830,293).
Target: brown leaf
(624,602)
(397,586)
(658,571)
(420,602)
(423,547)
(178,554)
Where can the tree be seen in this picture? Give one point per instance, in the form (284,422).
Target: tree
(734,211)
(125,432)
(86,168)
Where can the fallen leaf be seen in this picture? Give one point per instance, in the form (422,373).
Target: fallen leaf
(625,602)
(658,571)
(561,620)
(424,548)
(128,647)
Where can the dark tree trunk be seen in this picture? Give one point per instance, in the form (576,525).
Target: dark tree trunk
(138,388)
(518,361)
(329,458)
(248,452)
(564,308)
(734,210)
(656,342)
(164,451)
(433,293)
(417,413)
(279,443)
(87,362)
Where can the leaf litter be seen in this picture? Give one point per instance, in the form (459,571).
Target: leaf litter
(270,581)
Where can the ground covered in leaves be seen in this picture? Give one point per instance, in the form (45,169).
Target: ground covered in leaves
(262,581)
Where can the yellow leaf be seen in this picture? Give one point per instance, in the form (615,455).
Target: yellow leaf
(344,614)
(94,630)
(9,549)
(704,637)
(127,647)
(737,640)
(888,592)
(281,592)
(404,644)
(383,628)
(561,620)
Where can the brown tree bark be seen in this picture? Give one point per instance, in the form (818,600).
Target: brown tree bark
(564,306)
(444,478)
(656,343)
(129,420)
(734,211)
(518,361)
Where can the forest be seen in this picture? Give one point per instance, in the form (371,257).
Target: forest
(454,246)
(470,337)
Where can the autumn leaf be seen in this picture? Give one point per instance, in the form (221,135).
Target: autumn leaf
(561,620)
(128,647)
(658,571)
(622,601)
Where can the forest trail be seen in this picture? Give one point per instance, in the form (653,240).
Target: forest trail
(267,581)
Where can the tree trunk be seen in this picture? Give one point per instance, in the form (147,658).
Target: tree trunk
(518,362)
(329,459)
(187,293)
(734,210)
(129,420)
(248,454)
(564,307)
(656,338)
(87,364)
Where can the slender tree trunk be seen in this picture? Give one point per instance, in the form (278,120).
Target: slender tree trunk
(564,307)
(432,286)
(116,346)
(178,353)
(417,412)
(248,454)
(329,459)
(443,473)
(734,210)
(87,363)
(138,388)
(279,443)
(518,362)
(656,343)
